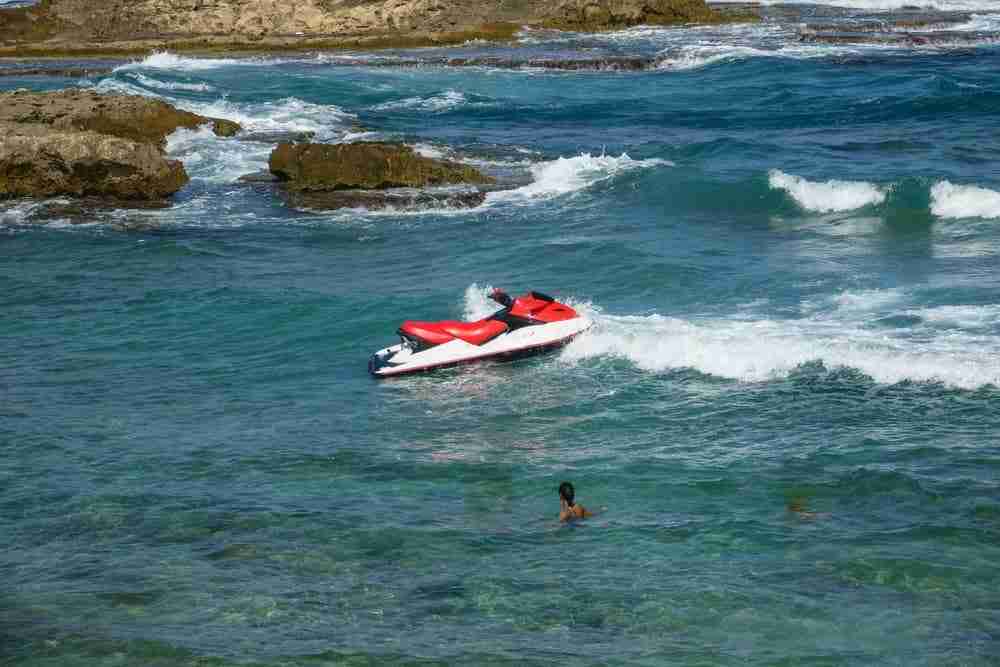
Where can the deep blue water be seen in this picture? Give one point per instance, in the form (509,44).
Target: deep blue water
(788,406)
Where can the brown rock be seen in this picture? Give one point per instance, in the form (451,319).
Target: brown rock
(605,14)
(126,116)
(364,166)
(37,161)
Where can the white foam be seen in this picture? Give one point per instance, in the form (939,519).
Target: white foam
(291,114)
(964,201)
(964,316)
(214,159)
(164,60)
(867,300)
(761,350)
(426,150)
(150,82)
(827,196)
(449,99)
(18,212)
(477,304)
(566,175)
(698,56)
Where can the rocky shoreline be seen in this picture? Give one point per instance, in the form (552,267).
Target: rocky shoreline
(77,28)
(111,149)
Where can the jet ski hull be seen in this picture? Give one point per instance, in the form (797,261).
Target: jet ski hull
(402,359)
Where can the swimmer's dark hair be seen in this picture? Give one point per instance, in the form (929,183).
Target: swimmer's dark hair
(567,493)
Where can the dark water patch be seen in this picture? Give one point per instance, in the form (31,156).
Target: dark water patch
(865,483)
(236,552)
(898,38)
(131,599)
(566,64)
(56,71)
(903,574)
(987,512)
(897,322)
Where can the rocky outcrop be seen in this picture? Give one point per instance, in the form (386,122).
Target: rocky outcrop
(65,27)
(80,143)
(605,14)
(364,166)
(37,161)
(126,116)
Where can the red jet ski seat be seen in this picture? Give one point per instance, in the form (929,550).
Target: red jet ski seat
(436,333)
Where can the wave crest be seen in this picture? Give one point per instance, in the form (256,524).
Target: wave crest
(827,196)
(757,351)
(171,61)
(964,201)
(565,175)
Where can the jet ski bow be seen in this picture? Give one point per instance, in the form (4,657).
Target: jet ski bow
(529,324)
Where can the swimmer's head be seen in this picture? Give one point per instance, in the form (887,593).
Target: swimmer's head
(566,493)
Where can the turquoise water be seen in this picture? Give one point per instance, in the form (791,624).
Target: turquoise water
(788,405)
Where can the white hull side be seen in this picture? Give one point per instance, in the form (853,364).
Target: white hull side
(521,341)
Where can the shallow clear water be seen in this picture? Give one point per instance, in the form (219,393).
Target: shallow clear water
(789,404)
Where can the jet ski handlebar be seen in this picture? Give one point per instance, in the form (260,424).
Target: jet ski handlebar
(502,298)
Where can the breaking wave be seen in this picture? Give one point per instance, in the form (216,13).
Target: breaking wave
(759,350)
(165,60)
(964,201)
(214,159)
(762,350)
(567,175)
(826,196)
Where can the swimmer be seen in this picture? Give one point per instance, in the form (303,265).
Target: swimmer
(797,507)
(568,509)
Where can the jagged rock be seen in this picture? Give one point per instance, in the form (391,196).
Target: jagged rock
(125,116)
(37,161)
(364,166)
(259,177)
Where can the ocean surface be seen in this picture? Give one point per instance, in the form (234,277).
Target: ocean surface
(788,410)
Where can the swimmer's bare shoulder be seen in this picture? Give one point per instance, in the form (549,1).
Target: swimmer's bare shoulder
(575,512)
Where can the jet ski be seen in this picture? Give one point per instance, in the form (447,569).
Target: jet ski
(530,324)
